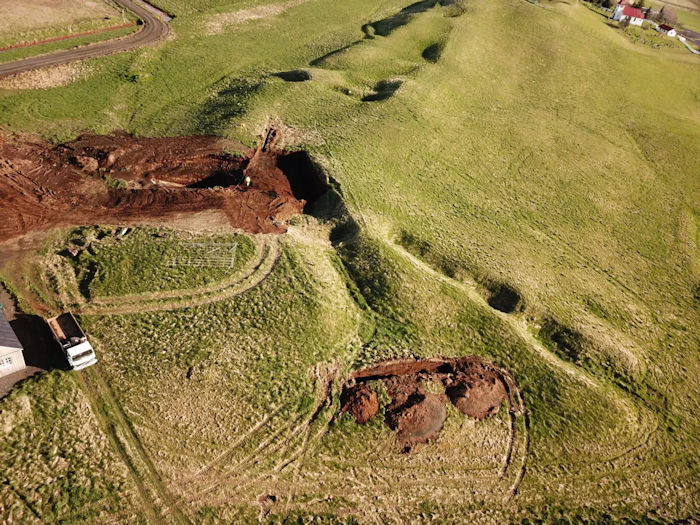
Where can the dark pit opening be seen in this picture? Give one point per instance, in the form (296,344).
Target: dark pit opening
(306,180)
(567,342)
(296,75)
(220,179)
(432,53)
(505,299)
(383,90)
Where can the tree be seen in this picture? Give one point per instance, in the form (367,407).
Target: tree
(653,15)
(668,14)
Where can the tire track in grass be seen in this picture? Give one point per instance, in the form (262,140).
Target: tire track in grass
(116,419)
(522,329)
(264,267)
(261,247)
(228,453)
(252,458)
(279,442)
(516,409)
(109,429)
(324,377)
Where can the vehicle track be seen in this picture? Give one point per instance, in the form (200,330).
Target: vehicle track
(106,395)
(288,441)
(101,407)
(153,29)
(521,327)
(262,267)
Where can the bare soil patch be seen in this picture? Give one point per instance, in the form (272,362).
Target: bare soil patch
(475,387)
(50,77)
(266,502)
(360,401)
(24,15)
(219,22)
(132,180)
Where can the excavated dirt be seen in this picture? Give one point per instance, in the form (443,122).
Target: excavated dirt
(475,387)
(476,393)
(137,180)
(361,401)
(416,416)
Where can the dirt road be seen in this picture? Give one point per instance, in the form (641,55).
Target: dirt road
(154,28)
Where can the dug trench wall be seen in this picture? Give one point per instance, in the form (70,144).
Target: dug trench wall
(129,180)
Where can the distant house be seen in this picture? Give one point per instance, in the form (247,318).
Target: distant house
(11,357)
(666,30)
(625,12)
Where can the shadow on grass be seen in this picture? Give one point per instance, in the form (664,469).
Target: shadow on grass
(386,26)
(296,75)
(40,348)
(229,103)
(383,90)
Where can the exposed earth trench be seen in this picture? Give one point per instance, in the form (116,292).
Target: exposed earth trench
(127,180)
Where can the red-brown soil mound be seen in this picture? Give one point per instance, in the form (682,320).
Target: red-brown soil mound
(416,415)
(361,401)
(130,180)
(477,397)
(477,388)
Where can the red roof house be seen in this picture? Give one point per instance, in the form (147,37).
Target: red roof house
(626,12)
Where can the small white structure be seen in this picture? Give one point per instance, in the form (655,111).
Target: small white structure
(666,30)
(11,356)
(625,12)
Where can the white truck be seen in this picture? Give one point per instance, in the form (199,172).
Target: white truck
(72,341)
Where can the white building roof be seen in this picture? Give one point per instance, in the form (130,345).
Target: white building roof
(8,340)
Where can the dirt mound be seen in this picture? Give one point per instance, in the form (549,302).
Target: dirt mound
(138,180)
(360,401)
(417,416)
(420,421)
(476,388)
(477,395)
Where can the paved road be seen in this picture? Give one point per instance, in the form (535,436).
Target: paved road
(154,28)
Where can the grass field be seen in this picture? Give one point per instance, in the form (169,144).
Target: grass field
(49,47)
(33,20)
(132,264)
(57,465)
(475,145)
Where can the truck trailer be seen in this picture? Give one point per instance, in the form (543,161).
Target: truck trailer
(72,341)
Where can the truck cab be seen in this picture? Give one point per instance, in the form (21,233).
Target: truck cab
(73,341)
